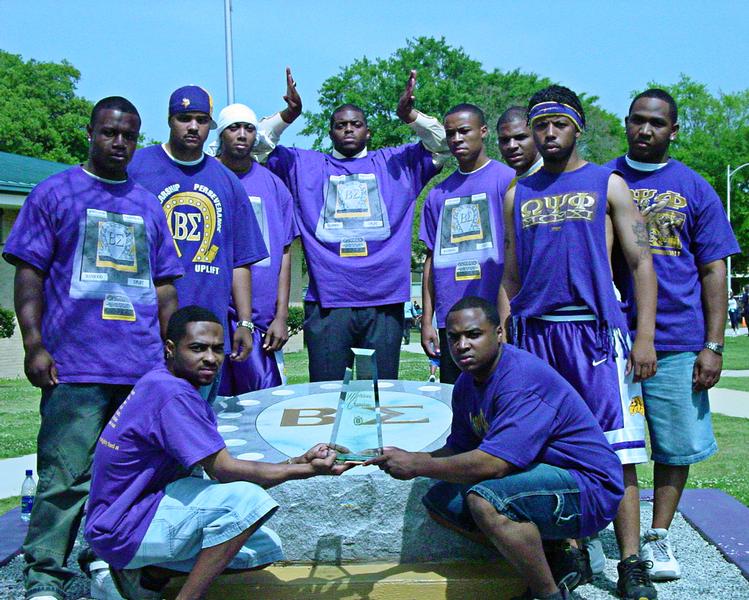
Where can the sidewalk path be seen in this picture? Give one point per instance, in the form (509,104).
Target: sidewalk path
(12,472)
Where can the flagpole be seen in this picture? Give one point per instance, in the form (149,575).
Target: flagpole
(229,54)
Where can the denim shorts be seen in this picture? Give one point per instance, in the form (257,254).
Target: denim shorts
(542,494)
(681,431)
(197,513)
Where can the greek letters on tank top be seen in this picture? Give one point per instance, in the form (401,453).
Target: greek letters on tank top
(560,237)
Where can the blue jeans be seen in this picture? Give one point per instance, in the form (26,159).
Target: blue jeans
(679,422)
(544,495)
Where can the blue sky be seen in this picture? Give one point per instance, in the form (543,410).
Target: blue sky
(145,49)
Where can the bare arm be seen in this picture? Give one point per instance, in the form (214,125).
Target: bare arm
(318,460)
(278,332)
(708,365)
(166,295)
(241,292)
(466,467)
(430,340)
(510,278)
(632,234)
(28,295)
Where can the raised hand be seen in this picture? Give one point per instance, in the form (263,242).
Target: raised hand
(292,98)
(405,110)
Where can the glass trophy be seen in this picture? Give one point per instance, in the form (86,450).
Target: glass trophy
(357,432)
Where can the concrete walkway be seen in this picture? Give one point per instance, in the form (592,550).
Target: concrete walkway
(12,473)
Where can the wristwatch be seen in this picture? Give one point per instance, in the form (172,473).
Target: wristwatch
(251,326)
(715,347)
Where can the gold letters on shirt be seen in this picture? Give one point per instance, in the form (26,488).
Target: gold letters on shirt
(558,208)
(663,218)
(188,225)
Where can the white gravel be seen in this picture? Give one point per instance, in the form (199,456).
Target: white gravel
(705,573)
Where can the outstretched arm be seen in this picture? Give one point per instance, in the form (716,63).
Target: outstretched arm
(466,467)
(318,460)
(632,234)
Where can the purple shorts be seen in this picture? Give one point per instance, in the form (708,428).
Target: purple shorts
(258,372)
(595,368)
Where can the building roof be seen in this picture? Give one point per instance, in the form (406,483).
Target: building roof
(19,174)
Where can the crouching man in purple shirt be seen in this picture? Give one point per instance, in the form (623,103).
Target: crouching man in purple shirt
(146,515)
(525,460)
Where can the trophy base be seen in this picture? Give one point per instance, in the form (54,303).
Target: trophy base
(357,459)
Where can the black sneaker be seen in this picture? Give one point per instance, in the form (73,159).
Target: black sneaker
(634,582)
(562,594)
(569,566)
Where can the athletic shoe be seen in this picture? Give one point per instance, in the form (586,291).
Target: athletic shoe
(432,379)
(130,587)
(634,582)
(569,566)
(562,594)
(102,584)
(597,558)
(657,549)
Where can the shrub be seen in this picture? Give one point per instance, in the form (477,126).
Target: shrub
(7,322)
(295,320)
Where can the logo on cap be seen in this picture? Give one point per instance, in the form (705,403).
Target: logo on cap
(185,102)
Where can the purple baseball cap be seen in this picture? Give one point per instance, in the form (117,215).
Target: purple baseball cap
(191,98)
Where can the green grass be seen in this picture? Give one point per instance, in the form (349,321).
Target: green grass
(19,415)
(736,353)
(735,383)
(7,504)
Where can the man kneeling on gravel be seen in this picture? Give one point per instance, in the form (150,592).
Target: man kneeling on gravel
(146,516)
(525,460)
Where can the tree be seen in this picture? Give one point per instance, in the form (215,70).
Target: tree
(40,114)
(446,76)
(713,133)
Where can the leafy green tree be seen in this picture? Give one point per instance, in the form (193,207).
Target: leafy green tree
(713,133)
(40,114)
(446,76)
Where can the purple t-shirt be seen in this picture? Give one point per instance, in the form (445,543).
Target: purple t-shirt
(527,413)
(272,205)
(688,228)
(354,216)
(461,223)
(161,430)
(100,246)
(210,218)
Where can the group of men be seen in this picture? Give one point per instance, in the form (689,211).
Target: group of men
(542,449)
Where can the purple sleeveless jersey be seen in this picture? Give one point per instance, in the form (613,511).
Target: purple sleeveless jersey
(560,237)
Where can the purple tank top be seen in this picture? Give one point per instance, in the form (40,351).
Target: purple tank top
(560,238)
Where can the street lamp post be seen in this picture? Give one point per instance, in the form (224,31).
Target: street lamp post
(730,173)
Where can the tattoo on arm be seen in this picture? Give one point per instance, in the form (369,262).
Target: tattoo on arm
(641,234)
(507,242)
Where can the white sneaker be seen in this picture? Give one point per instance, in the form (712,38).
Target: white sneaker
(597,558)
(657,549)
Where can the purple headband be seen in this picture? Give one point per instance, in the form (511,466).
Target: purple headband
(546,109)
